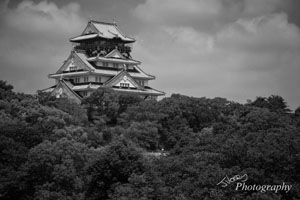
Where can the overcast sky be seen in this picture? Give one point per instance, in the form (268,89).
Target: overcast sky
(237,49)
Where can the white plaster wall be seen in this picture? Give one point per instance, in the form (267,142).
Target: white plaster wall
(104,78)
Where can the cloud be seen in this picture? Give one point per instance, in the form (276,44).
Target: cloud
(170,10)
(177,12)
(261,42)
(261,7)
(43,18)
(210,16)
(263,33)
(34,41)
(248,52)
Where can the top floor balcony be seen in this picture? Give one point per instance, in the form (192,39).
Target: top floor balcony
(102,49)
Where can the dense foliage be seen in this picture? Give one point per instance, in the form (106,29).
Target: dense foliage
(117,146)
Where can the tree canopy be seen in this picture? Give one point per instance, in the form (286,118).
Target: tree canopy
(117,146)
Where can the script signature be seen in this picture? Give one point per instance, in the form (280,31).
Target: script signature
(227,181)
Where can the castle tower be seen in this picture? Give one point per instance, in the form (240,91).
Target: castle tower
(101,57)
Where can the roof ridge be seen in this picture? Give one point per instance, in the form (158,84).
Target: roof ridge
(84,61)
(116,51)
(145,72)
(123,34)
(101,22)
(115,77)
(121,74)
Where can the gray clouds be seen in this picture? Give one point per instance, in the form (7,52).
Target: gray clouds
(31,41)
(248,52)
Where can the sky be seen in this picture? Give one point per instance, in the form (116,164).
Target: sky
(236,49)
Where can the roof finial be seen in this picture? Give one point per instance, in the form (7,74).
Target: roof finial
(73,47)
(90,18)
(114,22)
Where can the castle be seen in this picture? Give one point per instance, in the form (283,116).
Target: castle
(101,57)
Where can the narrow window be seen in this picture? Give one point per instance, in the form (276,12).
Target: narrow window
(98,79)
(73,68)
(142,83)
(76,80)
(86,79)
(124,85)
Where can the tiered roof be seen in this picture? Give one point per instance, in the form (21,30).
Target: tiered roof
(90,86)
(104,30)
(85,65)
(88,58)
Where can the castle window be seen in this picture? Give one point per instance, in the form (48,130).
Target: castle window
(98,79)
(76,80)
(86,79)
(124,85)
(141,83)
(73,68)
(115,65)
(105,64)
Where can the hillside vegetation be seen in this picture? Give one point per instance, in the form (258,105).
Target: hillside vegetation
(120,147)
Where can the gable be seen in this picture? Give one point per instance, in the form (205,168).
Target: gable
(125,82)
(89,29)
(62,90)
(73,63)
(115,54)
(70,65)
(123,79)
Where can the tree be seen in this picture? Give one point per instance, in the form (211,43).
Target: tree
(114,166)
(47,151)
(142,111)
(278,104)
(5,90)
(297,112)
(12,155)
(145,134)
(274,103)
(126,100)
(56,170)
(4,86)
(67,105)
(103,103)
